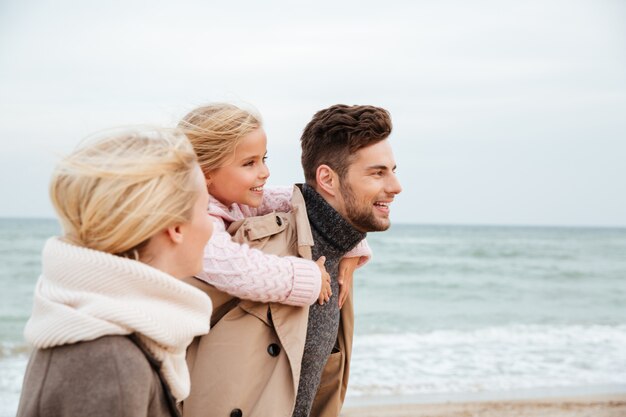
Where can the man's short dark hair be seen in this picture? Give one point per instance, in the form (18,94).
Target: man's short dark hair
(335,134)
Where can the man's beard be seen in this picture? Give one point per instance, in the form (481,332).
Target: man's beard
(361,216)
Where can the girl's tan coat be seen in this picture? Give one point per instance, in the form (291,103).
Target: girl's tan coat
(249,363)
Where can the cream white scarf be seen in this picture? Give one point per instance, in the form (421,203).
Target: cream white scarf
(85,294)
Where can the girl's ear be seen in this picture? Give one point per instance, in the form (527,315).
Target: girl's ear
(175,234)
(327,179)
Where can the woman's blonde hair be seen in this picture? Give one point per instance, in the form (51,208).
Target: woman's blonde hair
(116,191)
(215,130)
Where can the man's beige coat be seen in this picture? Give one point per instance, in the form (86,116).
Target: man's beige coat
(249,363)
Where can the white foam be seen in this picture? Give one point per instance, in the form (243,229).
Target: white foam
(11,375)
(495,359)
(490,359)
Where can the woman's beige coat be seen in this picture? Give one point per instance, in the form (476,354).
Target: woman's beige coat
(249,363)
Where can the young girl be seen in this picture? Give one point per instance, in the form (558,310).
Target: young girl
(231,146)
(111,318)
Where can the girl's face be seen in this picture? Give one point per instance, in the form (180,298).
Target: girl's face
(242,180)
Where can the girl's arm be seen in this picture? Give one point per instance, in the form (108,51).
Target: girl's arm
(253,275)
(362,251)
(352,260)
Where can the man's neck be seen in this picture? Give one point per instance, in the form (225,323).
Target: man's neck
(329,224)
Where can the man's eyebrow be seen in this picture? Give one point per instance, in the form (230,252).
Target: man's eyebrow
(382,167)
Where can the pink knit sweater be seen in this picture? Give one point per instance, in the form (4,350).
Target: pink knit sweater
(253,275)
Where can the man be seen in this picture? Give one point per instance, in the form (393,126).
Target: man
(265,359)
(350,183)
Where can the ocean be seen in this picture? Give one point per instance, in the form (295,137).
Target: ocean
(440,310)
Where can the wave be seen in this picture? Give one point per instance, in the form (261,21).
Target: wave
(489,359)
(13,350)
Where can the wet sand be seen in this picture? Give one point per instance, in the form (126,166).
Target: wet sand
(579,406)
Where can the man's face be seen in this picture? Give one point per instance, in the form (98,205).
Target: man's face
(369,187)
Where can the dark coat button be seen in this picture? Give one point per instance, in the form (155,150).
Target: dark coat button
(279,221)
(236,413)
(273,349)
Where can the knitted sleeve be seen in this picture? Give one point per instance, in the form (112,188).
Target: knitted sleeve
(253,275)
(361,250)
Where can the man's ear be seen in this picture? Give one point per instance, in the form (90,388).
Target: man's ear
(327,179)
(175,234)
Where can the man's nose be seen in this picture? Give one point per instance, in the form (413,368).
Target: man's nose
(393,186)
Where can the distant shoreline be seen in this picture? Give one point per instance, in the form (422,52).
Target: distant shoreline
(457,225)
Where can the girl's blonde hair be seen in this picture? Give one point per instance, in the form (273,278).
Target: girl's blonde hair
(113,193)
(215,130)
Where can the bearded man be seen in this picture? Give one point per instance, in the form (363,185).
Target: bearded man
(350,176)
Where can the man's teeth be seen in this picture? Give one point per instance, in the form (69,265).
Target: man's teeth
(378,203)
(257,188)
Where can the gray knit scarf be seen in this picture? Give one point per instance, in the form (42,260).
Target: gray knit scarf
(333,237)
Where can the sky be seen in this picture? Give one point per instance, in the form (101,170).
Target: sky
(504,112)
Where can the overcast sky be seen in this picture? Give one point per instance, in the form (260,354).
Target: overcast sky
(505,112)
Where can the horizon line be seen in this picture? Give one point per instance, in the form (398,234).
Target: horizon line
(427,224)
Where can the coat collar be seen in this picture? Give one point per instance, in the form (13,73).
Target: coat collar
(229,214)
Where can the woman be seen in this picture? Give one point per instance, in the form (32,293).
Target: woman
(111,319)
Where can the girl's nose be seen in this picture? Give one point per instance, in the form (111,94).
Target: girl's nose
(265,172)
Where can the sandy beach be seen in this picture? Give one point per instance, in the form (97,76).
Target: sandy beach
(582,406)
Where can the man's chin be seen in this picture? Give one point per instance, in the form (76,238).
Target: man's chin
(371,224)
(382,226)
(380,223)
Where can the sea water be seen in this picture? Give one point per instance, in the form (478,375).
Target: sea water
(439,309)
(449,309)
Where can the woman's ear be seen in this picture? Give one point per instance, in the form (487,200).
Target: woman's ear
(327,179)
(175,234)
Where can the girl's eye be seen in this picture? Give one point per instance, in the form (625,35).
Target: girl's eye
(248,164)
(264,159)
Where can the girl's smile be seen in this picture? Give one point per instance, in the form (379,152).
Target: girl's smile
(242,179)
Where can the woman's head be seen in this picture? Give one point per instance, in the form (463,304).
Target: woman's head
(123,191)
(231,147)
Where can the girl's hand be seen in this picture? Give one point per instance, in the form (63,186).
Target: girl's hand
(325,292)
(346,271)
